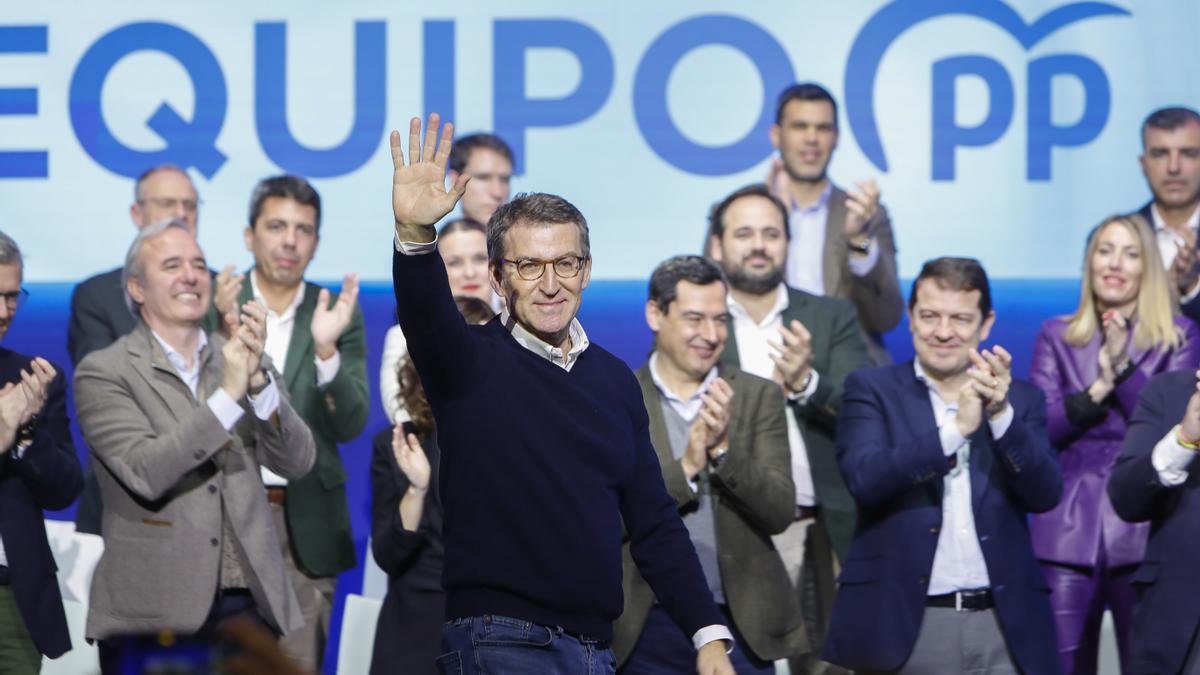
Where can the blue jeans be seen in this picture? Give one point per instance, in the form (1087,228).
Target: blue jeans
(494,645)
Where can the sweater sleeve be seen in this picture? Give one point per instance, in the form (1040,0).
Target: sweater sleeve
(439,341)
(659,542)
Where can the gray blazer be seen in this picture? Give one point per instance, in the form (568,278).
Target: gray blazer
(876,297)
(166,469)
(753,498)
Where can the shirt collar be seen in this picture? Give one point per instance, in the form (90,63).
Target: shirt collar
(1193,221)
(290,311)
(924,379)
(781,304)
(177,360)
(667,393)
(820,204)
(579,341)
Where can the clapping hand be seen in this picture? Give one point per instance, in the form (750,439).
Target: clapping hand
(419,194)
(229,287)
(411,459)
(20,401)
(709,429)
(328,323)
(793,362)
(1183,269)
(244,350)
(991,377)
(861,206)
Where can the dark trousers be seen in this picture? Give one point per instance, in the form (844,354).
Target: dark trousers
(663,649)
(114,652)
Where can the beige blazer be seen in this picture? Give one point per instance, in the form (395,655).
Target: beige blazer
(167,469)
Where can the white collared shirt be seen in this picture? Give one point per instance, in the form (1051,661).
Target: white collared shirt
(690,408)
(279,338)
(579,342)
(1169,241)
(806,248)
(958,563)
(754,357)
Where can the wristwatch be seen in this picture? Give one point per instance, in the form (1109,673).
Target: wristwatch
(862,249)
(717,457)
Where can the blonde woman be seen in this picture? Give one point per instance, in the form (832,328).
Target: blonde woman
(1092,365)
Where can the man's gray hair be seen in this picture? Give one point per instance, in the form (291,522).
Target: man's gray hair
(133,264)
(10,253)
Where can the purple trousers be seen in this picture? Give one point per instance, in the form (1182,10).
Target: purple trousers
(1079,596)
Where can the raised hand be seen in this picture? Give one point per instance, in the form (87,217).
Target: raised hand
(419,194)
(991,377)
(861,206)
(243,352)
(1116,339)
(411,459)
(715,413)
(328,323)
(970,409)
(229,287)
(1183,269)
(793,363)
(12,408)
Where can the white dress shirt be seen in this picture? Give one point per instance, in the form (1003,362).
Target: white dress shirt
(227,410)
(806,248)
(1169,242)
(279,336)
(579,342)
(754,357)
(958,563)
(1171,460)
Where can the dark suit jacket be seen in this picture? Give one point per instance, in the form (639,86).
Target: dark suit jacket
(1168,610)
(753,498)
(838,350)
(876,297)
(408,634)
(47,476)
(317,515)
(1190,309)
(891,454)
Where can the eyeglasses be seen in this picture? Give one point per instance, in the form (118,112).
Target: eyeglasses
(170,203)
(14,299)
(532,269)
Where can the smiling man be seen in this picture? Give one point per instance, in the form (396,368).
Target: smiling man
(1170,162)
(945,456)
(721,440)
(317,340)
(545,443)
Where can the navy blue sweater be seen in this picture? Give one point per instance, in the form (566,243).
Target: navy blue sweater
(539,467)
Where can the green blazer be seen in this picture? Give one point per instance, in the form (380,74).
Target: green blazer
(838,349)
(317,515)
(753,498)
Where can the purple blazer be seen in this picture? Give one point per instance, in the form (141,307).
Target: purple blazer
(1071,532)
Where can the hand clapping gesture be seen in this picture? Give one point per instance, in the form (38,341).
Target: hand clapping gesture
(20,401)
(793,363)
(709,429)
(1183,269)
(243,352)
(328,323)
(419,194)
(229,287)
(411,459)
(861,206)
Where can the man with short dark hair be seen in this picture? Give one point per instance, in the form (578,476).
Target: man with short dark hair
(38,471)
(721,440)
(1170,162)
(544,440)
(946,456)
(841,242)
(488,160)
(807,344)
(317,340)
(179,421)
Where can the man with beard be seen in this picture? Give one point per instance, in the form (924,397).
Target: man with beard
(841,242)
(807,344)
(1171,163)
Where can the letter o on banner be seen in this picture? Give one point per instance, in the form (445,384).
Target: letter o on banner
(650,93)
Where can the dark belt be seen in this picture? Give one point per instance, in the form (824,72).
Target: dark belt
(5,579)
(963,601)
(276,495)
(805,512)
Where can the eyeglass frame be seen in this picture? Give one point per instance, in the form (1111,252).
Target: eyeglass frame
(583,259)
(14,299)
(167,203)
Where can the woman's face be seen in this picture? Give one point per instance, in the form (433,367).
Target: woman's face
(1116,267)
(465,255)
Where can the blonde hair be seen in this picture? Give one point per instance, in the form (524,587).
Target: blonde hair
(1156,308)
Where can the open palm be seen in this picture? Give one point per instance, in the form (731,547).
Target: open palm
(419,194)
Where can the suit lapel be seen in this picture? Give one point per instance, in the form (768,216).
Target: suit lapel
(150,362)
(833,261)
(918,409)
(658,426)
(300,347)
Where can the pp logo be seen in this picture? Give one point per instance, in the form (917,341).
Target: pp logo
(1043,134)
